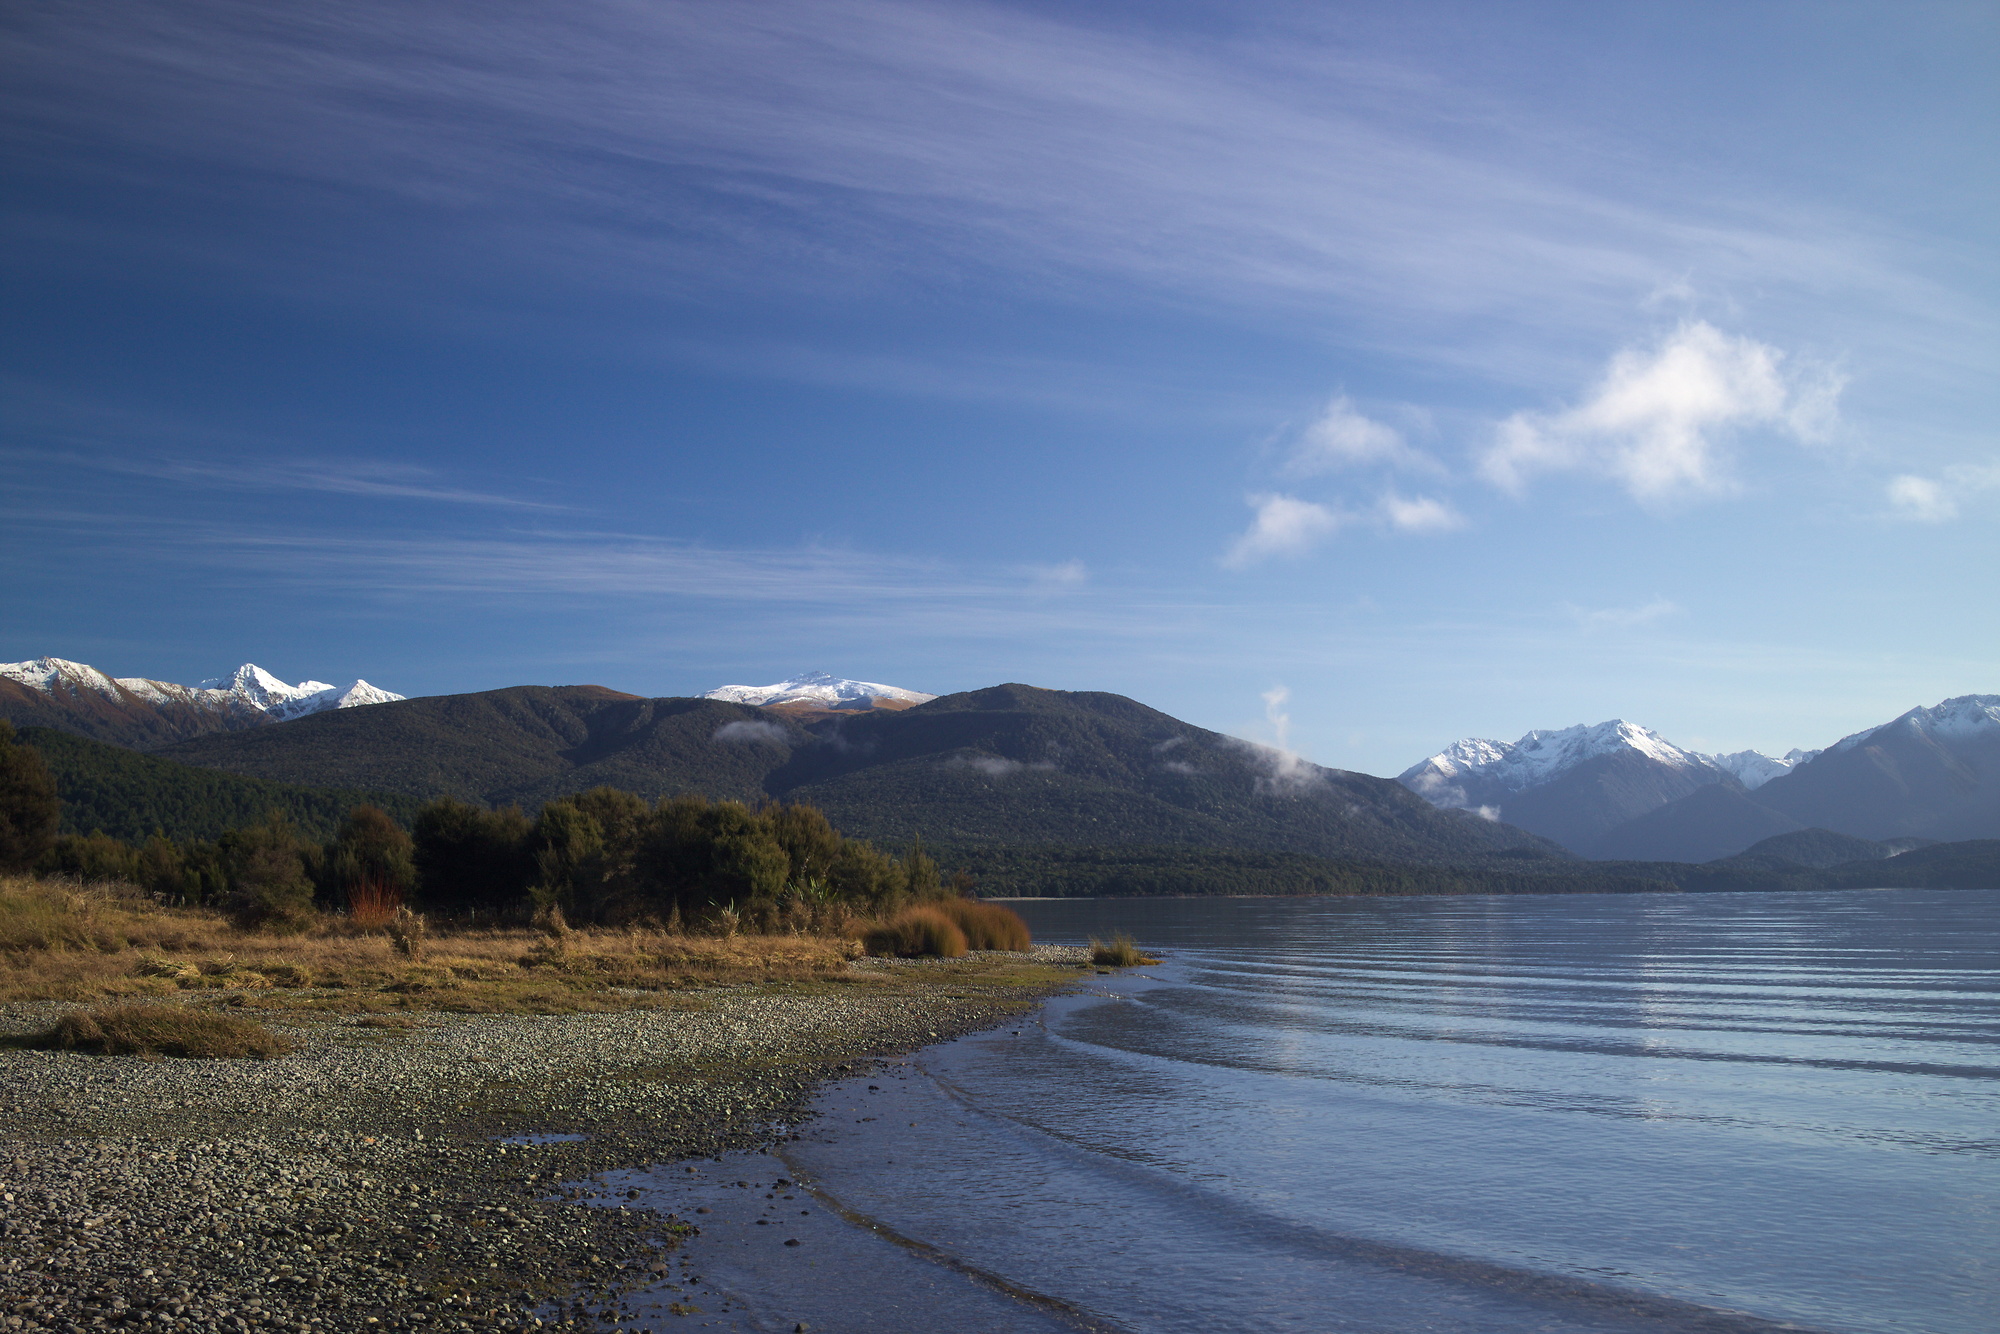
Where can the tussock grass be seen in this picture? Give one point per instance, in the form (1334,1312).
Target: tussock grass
(987,926)
(162,1030)
(60,941)
(916,933)
(1121,951)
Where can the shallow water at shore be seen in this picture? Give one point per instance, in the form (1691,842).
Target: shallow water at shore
(1607,1113)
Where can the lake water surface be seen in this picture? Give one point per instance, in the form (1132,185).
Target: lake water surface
(1604,1113)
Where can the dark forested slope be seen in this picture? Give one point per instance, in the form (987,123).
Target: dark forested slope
(1012,765)
(107,789)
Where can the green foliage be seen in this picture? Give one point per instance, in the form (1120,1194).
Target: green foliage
(105,789)
(370,852)
(29,809)
(468,858)
(266,865)
(1117,872)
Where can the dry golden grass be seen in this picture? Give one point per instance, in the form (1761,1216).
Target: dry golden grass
(916,933)
(987,926)
(1120,952)
(162,1030)
(66,942)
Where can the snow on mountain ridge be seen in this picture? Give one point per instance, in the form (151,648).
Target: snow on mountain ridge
(1958,718)
(817,688)
(249,687)
(1542,756)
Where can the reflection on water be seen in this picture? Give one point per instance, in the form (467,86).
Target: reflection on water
(1601,1113)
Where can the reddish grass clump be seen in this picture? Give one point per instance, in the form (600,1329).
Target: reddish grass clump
(987,926)
(916,933)
(372,904)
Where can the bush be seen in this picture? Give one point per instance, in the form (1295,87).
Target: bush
(29,811)
(163,1030)
(268,888)
(916,933)
(1122,952)
(987,926)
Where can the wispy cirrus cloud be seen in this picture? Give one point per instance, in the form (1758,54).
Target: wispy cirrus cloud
(843,142)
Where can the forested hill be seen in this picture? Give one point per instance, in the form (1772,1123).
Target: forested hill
(107,789)
(1009,765)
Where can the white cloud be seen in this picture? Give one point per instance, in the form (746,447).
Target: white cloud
(1925,500)
(1659,421)
(1625,618)
(1921,499)
(1284,770)
(1284,526)
(1341,438)
(747,732)
(1420,514)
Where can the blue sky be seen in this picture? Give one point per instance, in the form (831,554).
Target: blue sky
(1449,368)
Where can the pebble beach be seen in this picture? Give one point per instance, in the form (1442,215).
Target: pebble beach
(432,1173)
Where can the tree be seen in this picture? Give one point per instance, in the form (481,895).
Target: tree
(29,810)
(268,888)
(468,858)
(371,850)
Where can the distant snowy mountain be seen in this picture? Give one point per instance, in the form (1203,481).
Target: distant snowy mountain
(1620,791)
(1577,784)
(823,691)
(1966,718)
(258,688)
(142,713)
(1753,768)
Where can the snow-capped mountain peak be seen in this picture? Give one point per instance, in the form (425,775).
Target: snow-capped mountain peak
(1961,718)
(246,692)
(1542,756)
(832,692)
(258,687)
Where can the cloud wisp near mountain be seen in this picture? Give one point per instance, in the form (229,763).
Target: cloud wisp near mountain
(142,713)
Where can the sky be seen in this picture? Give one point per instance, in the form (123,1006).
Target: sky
(1350,377)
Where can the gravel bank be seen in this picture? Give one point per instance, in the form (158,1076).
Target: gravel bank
(363,1182)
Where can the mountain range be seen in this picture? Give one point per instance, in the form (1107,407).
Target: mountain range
(1018,767)
(1618,791)
(1009,765)
(142,714)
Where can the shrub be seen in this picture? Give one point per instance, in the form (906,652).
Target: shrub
(1121,952)
(163,1030)
(268,889)
(916,933)
(29,810)
(987,926)
(373,904)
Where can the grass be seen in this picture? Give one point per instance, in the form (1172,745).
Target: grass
(69,942)
(1121,951)
(917,933)
(987,926)
(162,1030)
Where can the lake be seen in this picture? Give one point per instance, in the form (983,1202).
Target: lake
(1494,1114)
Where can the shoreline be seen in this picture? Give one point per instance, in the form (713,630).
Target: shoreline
(363,1182)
